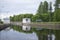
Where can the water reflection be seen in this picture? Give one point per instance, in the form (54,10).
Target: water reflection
(16,33)
(26,28)
(7,29)
(51,37)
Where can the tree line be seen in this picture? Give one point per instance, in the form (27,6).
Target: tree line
(44,13)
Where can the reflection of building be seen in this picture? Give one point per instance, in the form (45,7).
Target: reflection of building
(6,21)
(26,24)
(26,28)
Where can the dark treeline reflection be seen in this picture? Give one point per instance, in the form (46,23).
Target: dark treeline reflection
(41,34)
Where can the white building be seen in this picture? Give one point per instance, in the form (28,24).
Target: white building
(26,20)
(6,20)
(26,27)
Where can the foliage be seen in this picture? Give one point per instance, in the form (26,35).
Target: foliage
(40,9)
(20,17)
(45,7)
(42,13)
(57,11)
(35,17)
(57,15)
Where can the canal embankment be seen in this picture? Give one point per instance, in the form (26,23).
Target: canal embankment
(46,25)
(3,26)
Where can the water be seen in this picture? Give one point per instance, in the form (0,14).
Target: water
(16,33)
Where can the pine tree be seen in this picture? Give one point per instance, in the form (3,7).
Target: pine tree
(40,9)
(45,7)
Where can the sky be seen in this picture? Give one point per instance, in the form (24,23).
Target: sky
(15,7)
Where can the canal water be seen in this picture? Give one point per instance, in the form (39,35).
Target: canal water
(16,33)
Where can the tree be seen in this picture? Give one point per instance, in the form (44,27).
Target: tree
(57,15)
(40,9)
(20,17)
(57,2)
(35,17)
(45,7)
(57,11)
(50,11)
(45,17)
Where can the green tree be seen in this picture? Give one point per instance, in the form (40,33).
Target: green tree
(57,11)
(50,12)
(40,9)
(57,15)
(45,7)
(35,17)
(20,17)
(45,17)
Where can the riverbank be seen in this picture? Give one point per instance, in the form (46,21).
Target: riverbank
(3,26)
(46,25)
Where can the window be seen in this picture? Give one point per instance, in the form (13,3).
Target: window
(26,19)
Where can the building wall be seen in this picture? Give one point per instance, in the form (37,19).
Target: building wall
(26,20)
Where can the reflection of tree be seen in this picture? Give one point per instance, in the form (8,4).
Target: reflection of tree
(57,34)
(19,28)
(42,34)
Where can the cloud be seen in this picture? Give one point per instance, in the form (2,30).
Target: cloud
(18,5)
(12,7)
